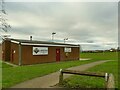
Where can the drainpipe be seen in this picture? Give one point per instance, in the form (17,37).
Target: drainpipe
(79,51)
(20,55)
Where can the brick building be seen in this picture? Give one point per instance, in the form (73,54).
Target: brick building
(22,52)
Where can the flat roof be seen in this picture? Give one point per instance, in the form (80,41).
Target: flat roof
(35,42)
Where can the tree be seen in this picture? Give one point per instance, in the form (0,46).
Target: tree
(3,21)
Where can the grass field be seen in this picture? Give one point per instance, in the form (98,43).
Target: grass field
(14,75)
(0,75)
(76,81)
(93,82)
(100,56)
(4,65)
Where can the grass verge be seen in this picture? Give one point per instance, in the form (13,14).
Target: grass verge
(14,75)
(100,56)
(76,81)
(4,65)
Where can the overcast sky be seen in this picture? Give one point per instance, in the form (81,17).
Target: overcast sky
(93,25)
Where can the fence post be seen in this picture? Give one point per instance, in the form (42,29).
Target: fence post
(110,82)
(60,77)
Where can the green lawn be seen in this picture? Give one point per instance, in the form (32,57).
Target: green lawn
(76,81)
(100,56)
(4,65)
(14,75)
(0,63)
(93,82)
(0,74)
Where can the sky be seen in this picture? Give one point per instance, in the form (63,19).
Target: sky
(93,25)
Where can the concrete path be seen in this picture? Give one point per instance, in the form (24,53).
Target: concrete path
(50,80)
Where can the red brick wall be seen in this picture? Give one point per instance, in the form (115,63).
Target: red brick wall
(29,58)
(6,50)
(0,51)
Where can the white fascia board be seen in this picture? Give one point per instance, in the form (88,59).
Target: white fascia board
(15,42)
(48,45)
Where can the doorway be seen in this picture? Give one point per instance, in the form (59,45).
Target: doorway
(57,55)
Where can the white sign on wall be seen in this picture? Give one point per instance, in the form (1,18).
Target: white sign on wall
(40,50)
(67,49)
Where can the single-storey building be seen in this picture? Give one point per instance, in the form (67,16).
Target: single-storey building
(23,52)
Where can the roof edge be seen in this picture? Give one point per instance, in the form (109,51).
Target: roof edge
(38,42)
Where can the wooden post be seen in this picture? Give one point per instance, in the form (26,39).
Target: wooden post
(109,78)
(83,73)
(110,82)
(60,77)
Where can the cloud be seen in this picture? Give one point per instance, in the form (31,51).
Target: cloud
(80,22)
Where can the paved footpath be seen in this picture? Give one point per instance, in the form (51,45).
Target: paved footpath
(51,79)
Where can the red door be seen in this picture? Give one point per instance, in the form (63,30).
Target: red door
(58,55)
